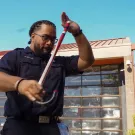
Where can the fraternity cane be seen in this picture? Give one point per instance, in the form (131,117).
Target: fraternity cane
(48,66)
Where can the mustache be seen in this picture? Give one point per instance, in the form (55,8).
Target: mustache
(48,49)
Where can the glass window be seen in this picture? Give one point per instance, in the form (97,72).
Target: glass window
(111,133)
(91,124)
(72,132)
(71,112)
(2,121)
(91,80)
(98,90)
(110,90)
(73,81)
(109,69)
(110,101)
(91,102)
(110,113)
(1,111)
(91,90)
(2,94)
(2,101)
(92,70)
(90,133)
(91,113)
(111,124)
(72,101)
(110,80)
(72,91)
(73,123)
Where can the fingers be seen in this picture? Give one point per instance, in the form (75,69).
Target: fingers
(37,91)
(34,95)
(38,97)
(32,90)
(64,18)
(30,96)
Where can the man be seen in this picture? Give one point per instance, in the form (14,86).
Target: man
(20,71)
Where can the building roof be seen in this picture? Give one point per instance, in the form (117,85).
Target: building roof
(116,42)
(3,53)
(100,43)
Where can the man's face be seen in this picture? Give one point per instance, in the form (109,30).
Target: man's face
(43,40)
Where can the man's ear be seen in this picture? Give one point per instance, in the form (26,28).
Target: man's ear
(32,35)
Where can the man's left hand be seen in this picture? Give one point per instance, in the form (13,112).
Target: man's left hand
(73,28)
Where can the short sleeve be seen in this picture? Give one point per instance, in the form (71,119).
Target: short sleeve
(71,65)
(8,63)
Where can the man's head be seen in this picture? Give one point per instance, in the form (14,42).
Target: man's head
(43,37)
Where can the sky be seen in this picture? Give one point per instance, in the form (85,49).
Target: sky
(99,19)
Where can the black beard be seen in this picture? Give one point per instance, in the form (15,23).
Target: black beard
(39,52)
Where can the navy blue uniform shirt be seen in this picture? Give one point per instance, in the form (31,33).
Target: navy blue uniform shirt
(24,63)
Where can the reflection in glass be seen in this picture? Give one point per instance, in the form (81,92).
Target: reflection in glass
(94,82)
(91,113)
(91,102)
(110,90)
(73,123)
(91,90)
(111,124)
(72,91)
(110,133)
(110,113)
(91,124)
(1,111)
(90,133)
(110,80)
(108,69)
(2,94)
(92,70)
(91,80)
(2,121)
(71,112)
(73,81)
(72,102)
(1,128)
(2,101)
(110,101)
(75,132)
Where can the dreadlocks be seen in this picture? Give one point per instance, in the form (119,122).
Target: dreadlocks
(37,25)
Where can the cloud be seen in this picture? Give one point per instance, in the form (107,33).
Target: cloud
(21,30)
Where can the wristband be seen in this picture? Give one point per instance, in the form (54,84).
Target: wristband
(78,33)
(17,83)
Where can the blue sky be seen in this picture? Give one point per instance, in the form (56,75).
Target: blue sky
(99,19)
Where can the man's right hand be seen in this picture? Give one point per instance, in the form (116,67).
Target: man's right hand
(31,89)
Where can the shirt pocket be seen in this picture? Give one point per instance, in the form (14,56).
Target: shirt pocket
(56,72)
(54,78)
(30,68)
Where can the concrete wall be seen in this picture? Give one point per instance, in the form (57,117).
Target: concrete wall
(104,52)
(130,93)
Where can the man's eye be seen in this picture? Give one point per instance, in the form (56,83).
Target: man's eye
(45,37)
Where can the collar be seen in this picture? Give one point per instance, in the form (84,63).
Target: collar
(28,50)
(44,57)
